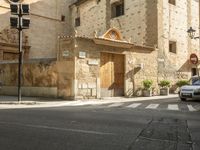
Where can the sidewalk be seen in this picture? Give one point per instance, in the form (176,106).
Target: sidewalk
(11,102)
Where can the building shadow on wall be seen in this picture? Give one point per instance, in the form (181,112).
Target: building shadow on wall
(181,74)
(133,91)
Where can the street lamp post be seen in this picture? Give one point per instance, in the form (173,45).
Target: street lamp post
(191,33)
(19,23)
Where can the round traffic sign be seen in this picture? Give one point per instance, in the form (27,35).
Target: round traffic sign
(194,59)
(14,1)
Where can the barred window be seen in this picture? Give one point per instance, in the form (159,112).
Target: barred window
(77,22)
(173,2)
(172,47)
(117,9)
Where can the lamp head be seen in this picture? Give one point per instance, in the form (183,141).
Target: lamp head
(191,32)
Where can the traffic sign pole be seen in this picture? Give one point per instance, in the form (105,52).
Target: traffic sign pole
(20,56)
(19,10)
(195,60)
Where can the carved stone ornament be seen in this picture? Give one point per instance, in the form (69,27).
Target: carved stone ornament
(113,34)
(10,36)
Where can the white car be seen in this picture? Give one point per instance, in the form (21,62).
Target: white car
(190,91)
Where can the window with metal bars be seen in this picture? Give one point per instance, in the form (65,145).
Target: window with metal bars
(77,22)
(173,2)
(172,47)
(117,9)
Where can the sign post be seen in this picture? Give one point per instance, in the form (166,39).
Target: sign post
(194,60)
(19,23)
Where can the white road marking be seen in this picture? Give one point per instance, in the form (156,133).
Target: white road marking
(173,107)
(57,128)
(152,106)
(116,105)
(134,105)
(191,108)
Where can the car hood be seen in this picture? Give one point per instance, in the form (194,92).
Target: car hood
(190,87)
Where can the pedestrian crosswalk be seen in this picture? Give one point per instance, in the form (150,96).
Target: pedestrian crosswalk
(151,106)
(154,106)
(134,105)
(191,108)
(115,105)
(173,107)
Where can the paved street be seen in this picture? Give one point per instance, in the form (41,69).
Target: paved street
(143,125)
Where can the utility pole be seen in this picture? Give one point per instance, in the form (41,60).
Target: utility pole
(19,23)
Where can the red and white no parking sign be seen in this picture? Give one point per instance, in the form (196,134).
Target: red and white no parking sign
(194,59)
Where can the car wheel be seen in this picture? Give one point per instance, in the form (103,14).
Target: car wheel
(183,99)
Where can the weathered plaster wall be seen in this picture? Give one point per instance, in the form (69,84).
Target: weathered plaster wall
(39,79)
(45,25)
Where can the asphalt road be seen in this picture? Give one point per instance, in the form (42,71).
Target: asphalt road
(105,127)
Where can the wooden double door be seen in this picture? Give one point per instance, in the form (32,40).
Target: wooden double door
(112,75)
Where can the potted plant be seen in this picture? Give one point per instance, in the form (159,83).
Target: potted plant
(147,91)
(164,84)
(181,83)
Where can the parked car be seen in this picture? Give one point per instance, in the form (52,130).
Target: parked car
(190,91)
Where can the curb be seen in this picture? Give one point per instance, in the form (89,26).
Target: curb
(35,104)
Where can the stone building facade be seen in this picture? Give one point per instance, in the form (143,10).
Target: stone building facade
(159,24)
(96,48)
(40,44)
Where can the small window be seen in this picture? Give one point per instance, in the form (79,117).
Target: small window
(173,2)
(117,9)
(194,71)
(62,18)
(172,47)
(77,22)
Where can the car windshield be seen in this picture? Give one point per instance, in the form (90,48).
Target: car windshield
(196,82)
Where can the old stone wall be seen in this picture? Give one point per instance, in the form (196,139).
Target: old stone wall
(152,23)
(141,64)
(88,68)
(66,69)
(39,78)
(138,24)
(87,75)
(92,18)
(173,22)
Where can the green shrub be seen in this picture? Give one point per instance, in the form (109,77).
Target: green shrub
(147,84)
(182,83)
(164,83)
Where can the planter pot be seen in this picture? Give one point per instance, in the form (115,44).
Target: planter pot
(164,91)
(147,93)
